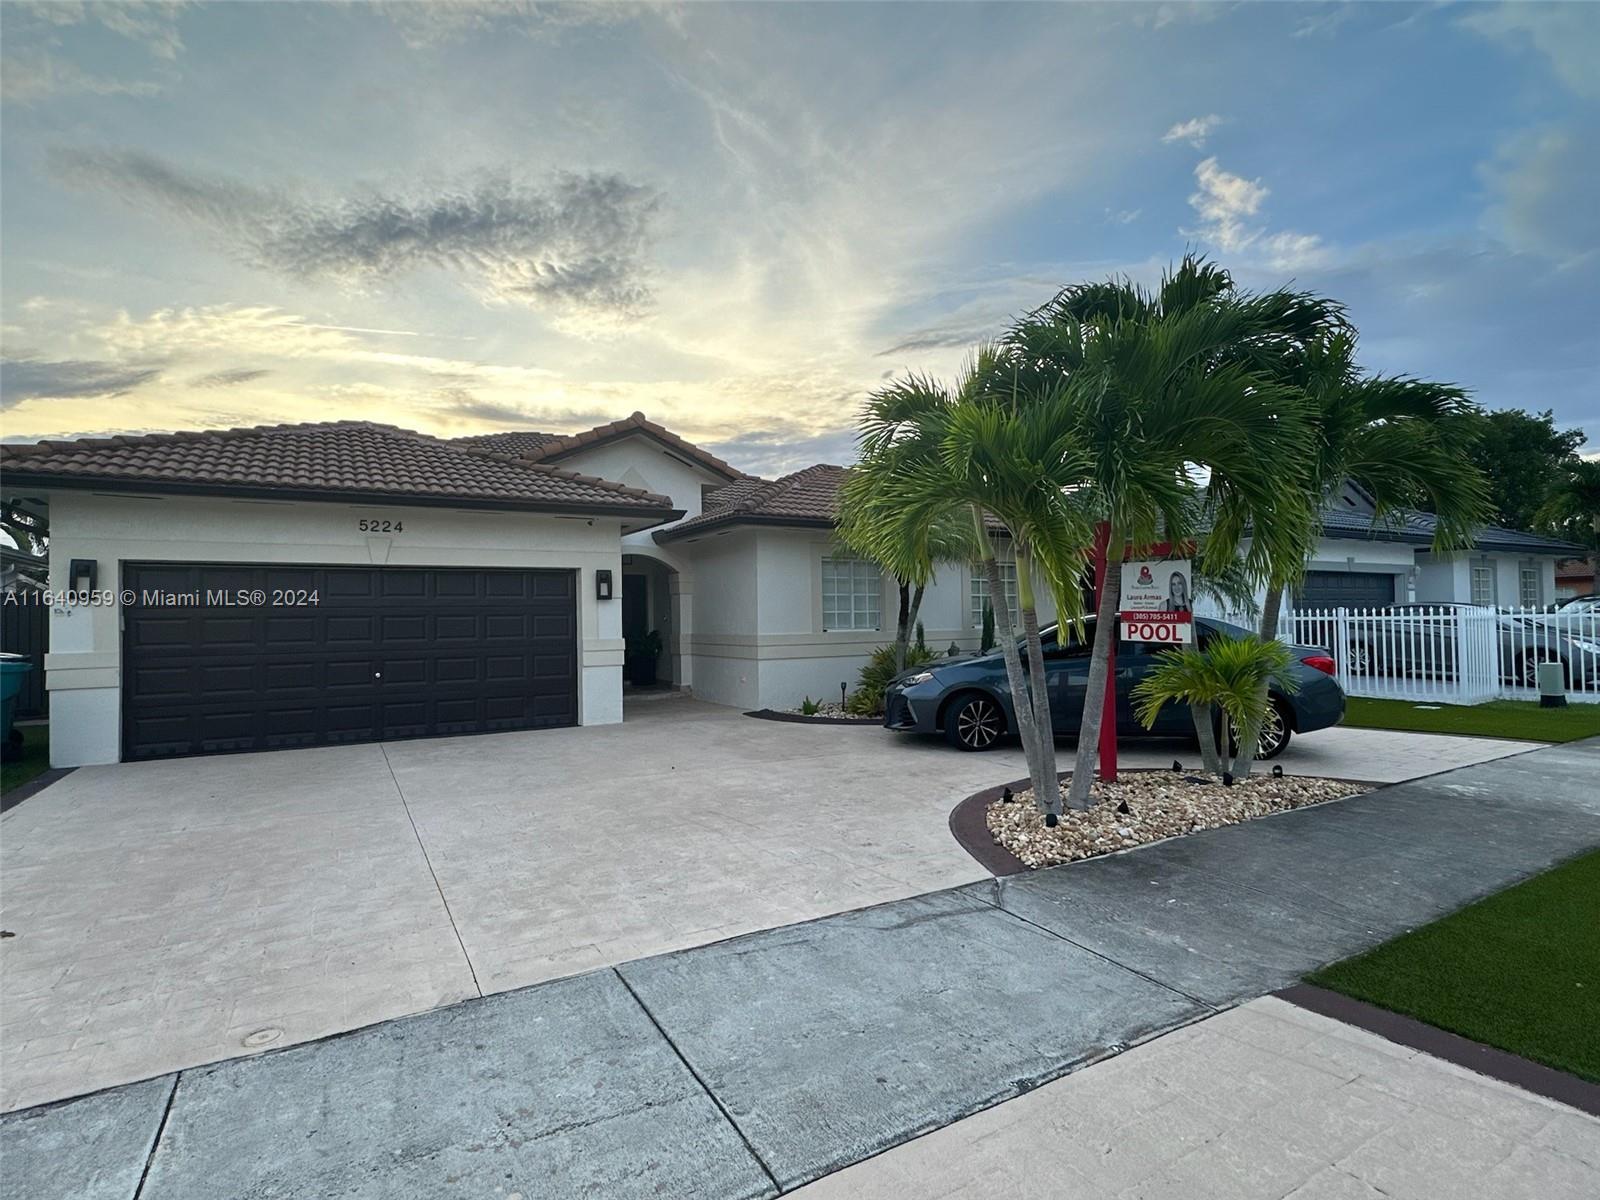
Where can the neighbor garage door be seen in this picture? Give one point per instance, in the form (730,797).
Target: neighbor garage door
(258,657)
(1344,589)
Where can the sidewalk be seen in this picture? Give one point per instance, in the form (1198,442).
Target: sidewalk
(758,1064)
(1264,1100)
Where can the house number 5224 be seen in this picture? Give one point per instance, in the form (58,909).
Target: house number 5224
(380,526)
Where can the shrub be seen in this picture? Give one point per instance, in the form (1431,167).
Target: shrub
(810,707)
(867,699)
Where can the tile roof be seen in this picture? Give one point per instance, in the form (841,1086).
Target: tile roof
(346,459)
(807,497)
(517,443)
(552,447)
(1419,527)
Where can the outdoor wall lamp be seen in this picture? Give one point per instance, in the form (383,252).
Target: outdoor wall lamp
(602,585)
(83,575)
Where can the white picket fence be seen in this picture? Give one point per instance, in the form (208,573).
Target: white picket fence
(1454,654)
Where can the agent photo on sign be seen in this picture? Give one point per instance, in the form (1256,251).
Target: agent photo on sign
(1177,594)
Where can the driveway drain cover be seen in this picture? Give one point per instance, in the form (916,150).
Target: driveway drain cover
(262,1037)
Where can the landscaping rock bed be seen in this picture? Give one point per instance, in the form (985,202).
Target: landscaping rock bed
(1160,804)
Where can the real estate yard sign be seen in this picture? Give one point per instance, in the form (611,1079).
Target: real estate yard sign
(1156,604)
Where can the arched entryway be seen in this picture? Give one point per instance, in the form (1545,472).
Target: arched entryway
(652,618)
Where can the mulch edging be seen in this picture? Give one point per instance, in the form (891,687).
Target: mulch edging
(1452,1047)
(970,827)
(14,797)
(772,714)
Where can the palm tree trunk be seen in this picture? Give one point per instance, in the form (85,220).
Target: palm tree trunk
(1205,730)
(1043,719)
(911,617)
(1020,704)
(902,627)
(1105,634)
(1244,761)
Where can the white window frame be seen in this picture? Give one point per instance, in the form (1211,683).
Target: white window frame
(1525,575)
(978,593)
(1487,575)
(852,595)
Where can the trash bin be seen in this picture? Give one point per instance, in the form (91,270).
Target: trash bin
(13,669)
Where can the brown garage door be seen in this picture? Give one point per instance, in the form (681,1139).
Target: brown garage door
(224,657)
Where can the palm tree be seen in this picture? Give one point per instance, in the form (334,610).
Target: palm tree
(1161,386)
(1230,674)
(941,544)
(952,464)
(1573,506)
(1405,441)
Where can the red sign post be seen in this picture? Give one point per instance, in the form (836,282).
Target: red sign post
(1108,716)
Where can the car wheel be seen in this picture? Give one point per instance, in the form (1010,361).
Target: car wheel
(974,723)
(1360,659)
(1275,734)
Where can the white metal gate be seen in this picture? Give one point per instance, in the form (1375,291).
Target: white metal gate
(1454,654)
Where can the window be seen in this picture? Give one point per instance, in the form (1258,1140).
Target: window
(852,594)
(1528,595)
(1482,583)
(980,592)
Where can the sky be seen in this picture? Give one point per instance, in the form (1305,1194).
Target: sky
(742,218)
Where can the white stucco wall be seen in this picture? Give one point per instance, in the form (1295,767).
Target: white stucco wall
(758,638)
(83,668)
(641,461)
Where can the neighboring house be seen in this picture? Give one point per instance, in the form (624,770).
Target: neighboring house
(1575,577)
(458,583)
(21,571)
(1363,563)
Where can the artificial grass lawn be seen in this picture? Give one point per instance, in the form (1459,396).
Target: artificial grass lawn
(1498,718)
(1519,970)
(34,760)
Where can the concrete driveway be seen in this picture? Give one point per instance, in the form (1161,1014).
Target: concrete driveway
(177,913)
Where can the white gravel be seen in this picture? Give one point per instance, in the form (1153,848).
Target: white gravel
(1161,804)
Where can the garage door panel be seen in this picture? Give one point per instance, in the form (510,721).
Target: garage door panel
(384,653)
(288,632)
(455,627)
(1345,589)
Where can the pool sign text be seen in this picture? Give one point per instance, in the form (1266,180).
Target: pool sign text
(1156,601)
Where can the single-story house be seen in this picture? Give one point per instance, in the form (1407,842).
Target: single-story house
(301,585)
(1575,577)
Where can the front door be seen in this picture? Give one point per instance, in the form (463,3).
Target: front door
(635,606)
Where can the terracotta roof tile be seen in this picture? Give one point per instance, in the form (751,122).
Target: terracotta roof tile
(518,443)
(337,458)
(546,447)
(808,497)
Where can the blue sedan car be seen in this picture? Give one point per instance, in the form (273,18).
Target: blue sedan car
(969,701)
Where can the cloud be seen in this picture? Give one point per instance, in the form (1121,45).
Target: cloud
(232,377)
(29,77)
(1547,198)
(577,243)
(1223,202)
(24,379)
(1228,206)
(940,337)
(1567,34)
(462,403)
(441,22)
(33,70)
(1195,131)
(777,450)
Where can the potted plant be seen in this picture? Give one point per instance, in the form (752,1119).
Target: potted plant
(640,654)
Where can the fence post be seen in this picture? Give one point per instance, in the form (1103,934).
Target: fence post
(1341,645)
